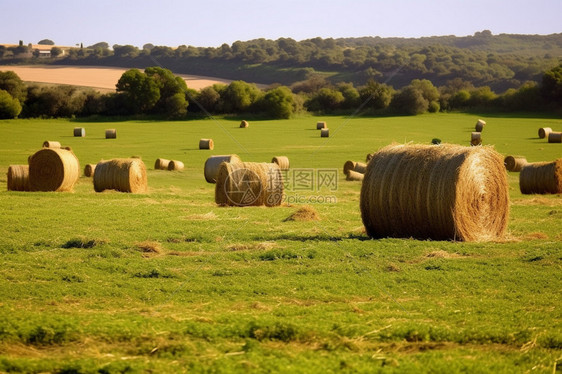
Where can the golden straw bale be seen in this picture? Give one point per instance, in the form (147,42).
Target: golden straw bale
(514,163)
(244,124)
(18,178)
(358,167)
(121,174)
(53,169)
(282,161)
(89,170)
(544,131)
(213,163)
(51,144)
(161,164)
(321,125)
(428,192)
(354,176)
(324,133)
(206,144)
(249,184)
(175,165)
(541,178)
(111,134)
(480,125)
(79,132)
(555,137)
(475,139)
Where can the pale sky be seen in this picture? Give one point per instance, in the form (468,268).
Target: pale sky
(210,23)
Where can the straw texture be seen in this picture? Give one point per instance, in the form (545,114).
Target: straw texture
(282,161)
(175,165)
(53,169)
(121,174)
(325,133)
(18,178)
(544,131)
(211,169)
(479,125)
(541,178)
(475,139)
(206,144)
(244,124)
(161,164)
(555,137)
(79,132)
(111,134)
(89,170)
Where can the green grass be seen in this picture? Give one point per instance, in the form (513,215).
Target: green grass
(169,282)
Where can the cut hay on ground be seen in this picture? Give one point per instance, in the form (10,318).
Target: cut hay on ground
(303,214)
(89,170)
(206,144)
(161,164)
(53,169)
(325,133)
(448,192)
(175,165)
(111,134)
(544,131)
(354,176)
(282,161)
(79,132)
(555,137)
(18,178)
(51,144)
(541,178)
(121,174)
(514,163)
(321,125)
(244,124)
(475,139)
(213,163)
(249,184)
(480,125)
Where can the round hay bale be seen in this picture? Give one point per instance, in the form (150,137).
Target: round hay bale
(244,124)
(475,138)
(175,165)
(324,133)
(448,192)
(89,170)
(514,163)
(53,169)
(213,163)
(354,176)
(121,174)
(369,157)
(321,125)
(79,132)
(111,134)
(544,131)
(282,161)
(541,177)
(249,184)
(358,167)
(161,164)
(555,137)
(206,144)
(18,178)
(51,144)
(480,125)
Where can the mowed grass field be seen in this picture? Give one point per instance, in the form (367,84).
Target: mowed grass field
(168,282)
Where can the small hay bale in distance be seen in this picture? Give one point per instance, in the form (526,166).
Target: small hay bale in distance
(480,125)
(79,132)
(18,178)
(282,161)
(211,169)
(175,165)
(448,192)
(354,176)
(121,174)
(111,134)
(541,178)
(161,164)
(249,184)
(51,144)
(544,131)
(53,169)
(475,139)
(555,137)
(244,124)
(358,167)
(89,170)
(206,144)
(514,163)
(369,157)
(325,133)
(321,125)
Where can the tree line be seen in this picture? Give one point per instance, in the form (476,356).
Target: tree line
(158,92)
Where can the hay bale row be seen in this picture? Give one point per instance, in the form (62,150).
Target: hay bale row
(448,192)
(121,174)
(213,163)
(18,178)
(79,132)
(555,137)
(475,139)
(53,169)
(514,163)
(161,164)
(244,124)
(354,176)
(480,125)
(89,170)
(541,178)
(544,131)
(321,125)
(325,133)
(281,161)
(111,134)
(249,184)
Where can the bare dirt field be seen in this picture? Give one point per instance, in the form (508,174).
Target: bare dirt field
(102,78)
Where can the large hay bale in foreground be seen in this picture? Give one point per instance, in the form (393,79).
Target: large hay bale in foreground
(325,133)
(18,178)
(121,174)
(358,167)
(111,134)
(51,144)
(475,139)
(544,131)
(161,164)
(249,184)
(211,169)
(354,176)
(448,192)
(175,165)
(321,125)
(541,177)
(79,132)
(514,163)
(89,170)
(282,161)
(479,125)
(244,124)
(53,169)
(555,137)
(206,144)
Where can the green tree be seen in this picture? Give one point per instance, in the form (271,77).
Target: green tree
(11,82)
(409,101)
(46,42)
(239,96)
(10,107)
(551,85)
(140,91)
(176,105)
(350,95)
(325,100)
(56,51)
(169,87)
(279,102)
(378,94)
(208,98)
